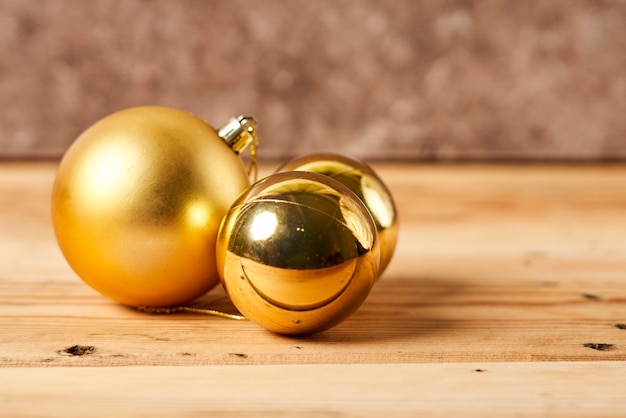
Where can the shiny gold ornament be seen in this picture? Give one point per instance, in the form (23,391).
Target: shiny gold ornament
(297,253)
(138,200)
(365,183)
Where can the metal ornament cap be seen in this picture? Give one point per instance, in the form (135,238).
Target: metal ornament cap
(298,253)
(365,183)
(137,202)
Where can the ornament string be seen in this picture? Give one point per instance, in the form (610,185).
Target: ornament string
(253,169)
(168,310)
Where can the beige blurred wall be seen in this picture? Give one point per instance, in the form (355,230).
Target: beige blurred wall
(400,79)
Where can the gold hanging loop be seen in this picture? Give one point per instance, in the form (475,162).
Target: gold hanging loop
(167,310)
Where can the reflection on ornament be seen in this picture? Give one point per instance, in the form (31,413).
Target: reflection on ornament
(138,200)
(297,252)
(365,183)
(263,226)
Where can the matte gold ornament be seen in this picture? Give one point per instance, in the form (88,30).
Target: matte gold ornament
(298,253)
(365,183)
(138,200)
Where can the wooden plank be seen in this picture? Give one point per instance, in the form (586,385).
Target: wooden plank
(462,389)
(494,263)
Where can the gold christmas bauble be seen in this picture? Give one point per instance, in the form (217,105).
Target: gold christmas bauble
(365,183)
(297,253)
(138,200)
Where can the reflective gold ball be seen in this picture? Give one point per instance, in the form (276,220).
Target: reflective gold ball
(137,203)
(298,253)
(365,183)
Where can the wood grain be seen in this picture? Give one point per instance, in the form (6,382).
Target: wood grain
(519,269)
(442,389)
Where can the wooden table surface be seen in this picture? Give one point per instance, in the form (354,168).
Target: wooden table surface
(506,296)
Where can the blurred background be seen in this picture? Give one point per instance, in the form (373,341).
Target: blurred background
(402,80)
